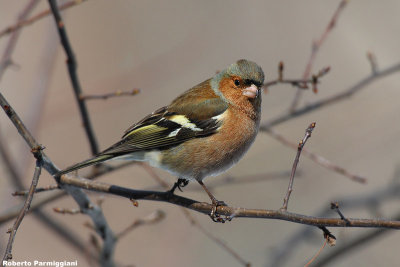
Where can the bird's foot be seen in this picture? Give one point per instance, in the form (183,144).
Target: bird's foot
(215,216)
(178,184)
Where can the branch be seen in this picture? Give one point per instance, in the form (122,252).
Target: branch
(72,69)
(299,83)
(233,212)
(93,211)
(40,201)
(152,218)
(6,58)
(317,158)
(351,245)
(332,99)
(24,210)
(378,197)
(108,95)
(25,22)
(296,161)
(314,50)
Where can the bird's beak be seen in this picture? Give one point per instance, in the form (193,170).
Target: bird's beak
(251,91)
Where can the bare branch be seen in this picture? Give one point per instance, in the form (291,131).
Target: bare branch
(108,95)
(40,15)
(24,210)
(314,51)
(152,218)
(232,212)
(296,161)
(299,83)
(6,58)
(67,211)
(316,255)
(37,190)
(79,196)
(72,69)
(332,99)
(373,62)
(317,158)
(352,245)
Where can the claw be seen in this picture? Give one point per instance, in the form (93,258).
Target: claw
(215,217)
(178,184)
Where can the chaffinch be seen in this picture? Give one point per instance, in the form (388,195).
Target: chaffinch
(203,132)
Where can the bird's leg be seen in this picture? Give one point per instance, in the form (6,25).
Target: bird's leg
(214,215)
(182,182)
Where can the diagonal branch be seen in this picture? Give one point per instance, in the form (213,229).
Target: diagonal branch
(6,58)
(25,22)
(87,207)
(314,51)
(296,161)
(24,210)
(72,69)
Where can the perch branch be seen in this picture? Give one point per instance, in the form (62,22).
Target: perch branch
(234,212)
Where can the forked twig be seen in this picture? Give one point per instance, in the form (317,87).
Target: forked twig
(314,51)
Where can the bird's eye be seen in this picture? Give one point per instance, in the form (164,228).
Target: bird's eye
(237,82)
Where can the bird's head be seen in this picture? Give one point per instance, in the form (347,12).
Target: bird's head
(240,82)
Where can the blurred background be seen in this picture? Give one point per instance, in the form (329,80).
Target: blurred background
(166,47)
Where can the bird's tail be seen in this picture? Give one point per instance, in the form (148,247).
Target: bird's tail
(88,162)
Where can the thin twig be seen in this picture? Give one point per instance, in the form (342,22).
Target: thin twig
(217,240)
(93,211)
(40,15)
(373,62)
(332,99)
(314,51)
(16,176)
(67,211)
(37,190)
(41,201)
(317,158)
(6,58)
(24,210)
(362,201)
(299,83)
(296,161)
(316,255)
(335,206)
(72,69)
(351,245)
(152,218)
(108,95)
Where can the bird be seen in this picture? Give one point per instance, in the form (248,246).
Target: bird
(201,133)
